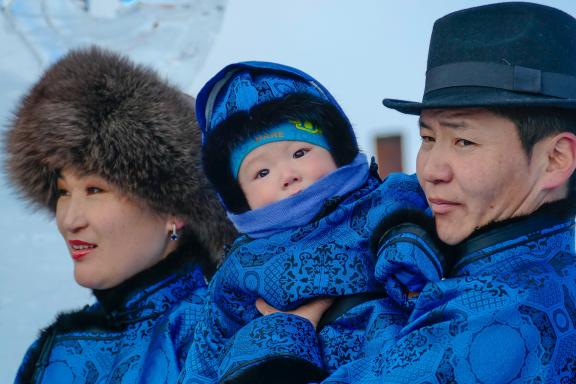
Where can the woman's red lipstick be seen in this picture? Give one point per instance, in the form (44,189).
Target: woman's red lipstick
(79,248)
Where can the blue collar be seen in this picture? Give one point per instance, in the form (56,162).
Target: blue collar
(300,209)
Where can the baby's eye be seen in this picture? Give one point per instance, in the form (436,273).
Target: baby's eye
(262,173)
(299,153)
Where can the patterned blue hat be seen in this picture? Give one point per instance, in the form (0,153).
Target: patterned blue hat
(245,100)
(240,86)
(286,131)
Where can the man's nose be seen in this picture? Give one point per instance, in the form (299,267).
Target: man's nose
(435,167)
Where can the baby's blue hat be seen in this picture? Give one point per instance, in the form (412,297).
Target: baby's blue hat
(287,131)
(241,86)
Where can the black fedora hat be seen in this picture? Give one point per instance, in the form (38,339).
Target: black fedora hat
(505,54)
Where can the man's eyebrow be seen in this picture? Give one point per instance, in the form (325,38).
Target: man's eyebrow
(422,124)
(453,124)
(444,123)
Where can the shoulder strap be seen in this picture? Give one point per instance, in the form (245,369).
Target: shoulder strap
(344,303)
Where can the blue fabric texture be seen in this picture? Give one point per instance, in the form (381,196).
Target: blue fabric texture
(144,340)
(326,257)
(240,86)
(505,313)
(288,131)
(408,260)
(284,339)
(298,210)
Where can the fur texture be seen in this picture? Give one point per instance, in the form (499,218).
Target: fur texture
(99,113)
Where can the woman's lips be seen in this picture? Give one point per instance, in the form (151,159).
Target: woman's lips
(441,206)
(79,248)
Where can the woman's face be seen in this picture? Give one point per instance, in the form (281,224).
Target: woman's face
(110,236)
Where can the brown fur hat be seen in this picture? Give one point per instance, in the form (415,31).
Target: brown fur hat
(99,113)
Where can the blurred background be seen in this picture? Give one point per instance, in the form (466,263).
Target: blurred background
(362,51)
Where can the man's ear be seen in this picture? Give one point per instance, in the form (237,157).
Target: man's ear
(561,152)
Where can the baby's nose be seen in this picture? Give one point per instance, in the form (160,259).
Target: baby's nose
(290,178)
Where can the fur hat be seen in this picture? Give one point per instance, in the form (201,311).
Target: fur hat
(98,112)
(248,98)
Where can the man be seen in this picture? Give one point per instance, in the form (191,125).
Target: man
(497,161)
(498,153)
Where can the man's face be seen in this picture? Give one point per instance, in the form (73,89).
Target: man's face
(474,171)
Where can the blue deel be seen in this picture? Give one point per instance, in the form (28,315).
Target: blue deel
(142,338)
(328,257)
(507,313)
(504,313)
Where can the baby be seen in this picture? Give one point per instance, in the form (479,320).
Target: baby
(284,159)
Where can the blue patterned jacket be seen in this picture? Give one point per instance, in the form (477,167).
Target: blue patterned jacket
(328,257)
(138,332)
(505,313)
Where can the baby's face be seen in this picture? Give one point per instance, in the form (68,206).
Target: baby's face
(281,169)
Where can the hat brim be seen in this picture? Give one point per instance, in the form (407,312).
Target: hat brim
(483,97)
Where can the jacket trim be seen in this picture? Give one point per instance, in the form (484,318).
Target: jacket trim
(279,370)
(547,216)
(107,314)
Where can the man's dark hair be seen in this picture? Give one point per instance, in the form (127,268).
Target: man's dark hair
(537,123)
(240,126)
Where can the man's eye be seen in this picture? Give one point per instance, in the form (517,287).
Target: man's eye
(299,153)
(93,190)
(262,173)
(464,142)
(427,139)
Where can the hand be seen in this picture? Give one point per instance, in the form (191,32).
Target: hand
(311,311)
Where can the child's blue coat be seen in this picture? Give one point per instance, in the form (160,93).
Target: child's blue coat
(328,257)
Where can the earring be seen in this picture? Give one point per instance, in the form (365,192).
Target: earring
(174,234)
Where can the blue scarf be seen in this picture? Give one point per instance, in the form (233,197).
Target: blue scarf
(300,209)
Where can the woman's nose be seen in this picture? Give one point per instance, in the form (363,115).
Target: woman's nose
(70,213)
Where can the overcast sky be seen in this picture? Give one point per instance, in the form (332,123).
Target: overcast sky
(362,51)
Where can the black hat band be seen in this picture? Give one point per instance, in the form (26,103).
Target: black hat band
(509,77)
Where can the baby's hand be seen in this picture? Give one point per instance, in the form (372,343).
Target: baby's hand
(311,311)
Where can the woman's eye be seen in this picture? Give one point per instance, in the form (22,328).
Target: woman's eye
(262,173)
(299,153)
(61,192)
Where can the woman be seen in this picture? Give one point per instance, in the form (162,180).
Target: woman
(113,152)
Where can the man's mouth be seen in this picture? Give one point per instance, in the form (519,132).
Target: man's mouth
(441,206)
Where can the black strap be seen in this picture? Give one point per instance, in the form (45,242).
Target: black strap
(501,76)
(343,304)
